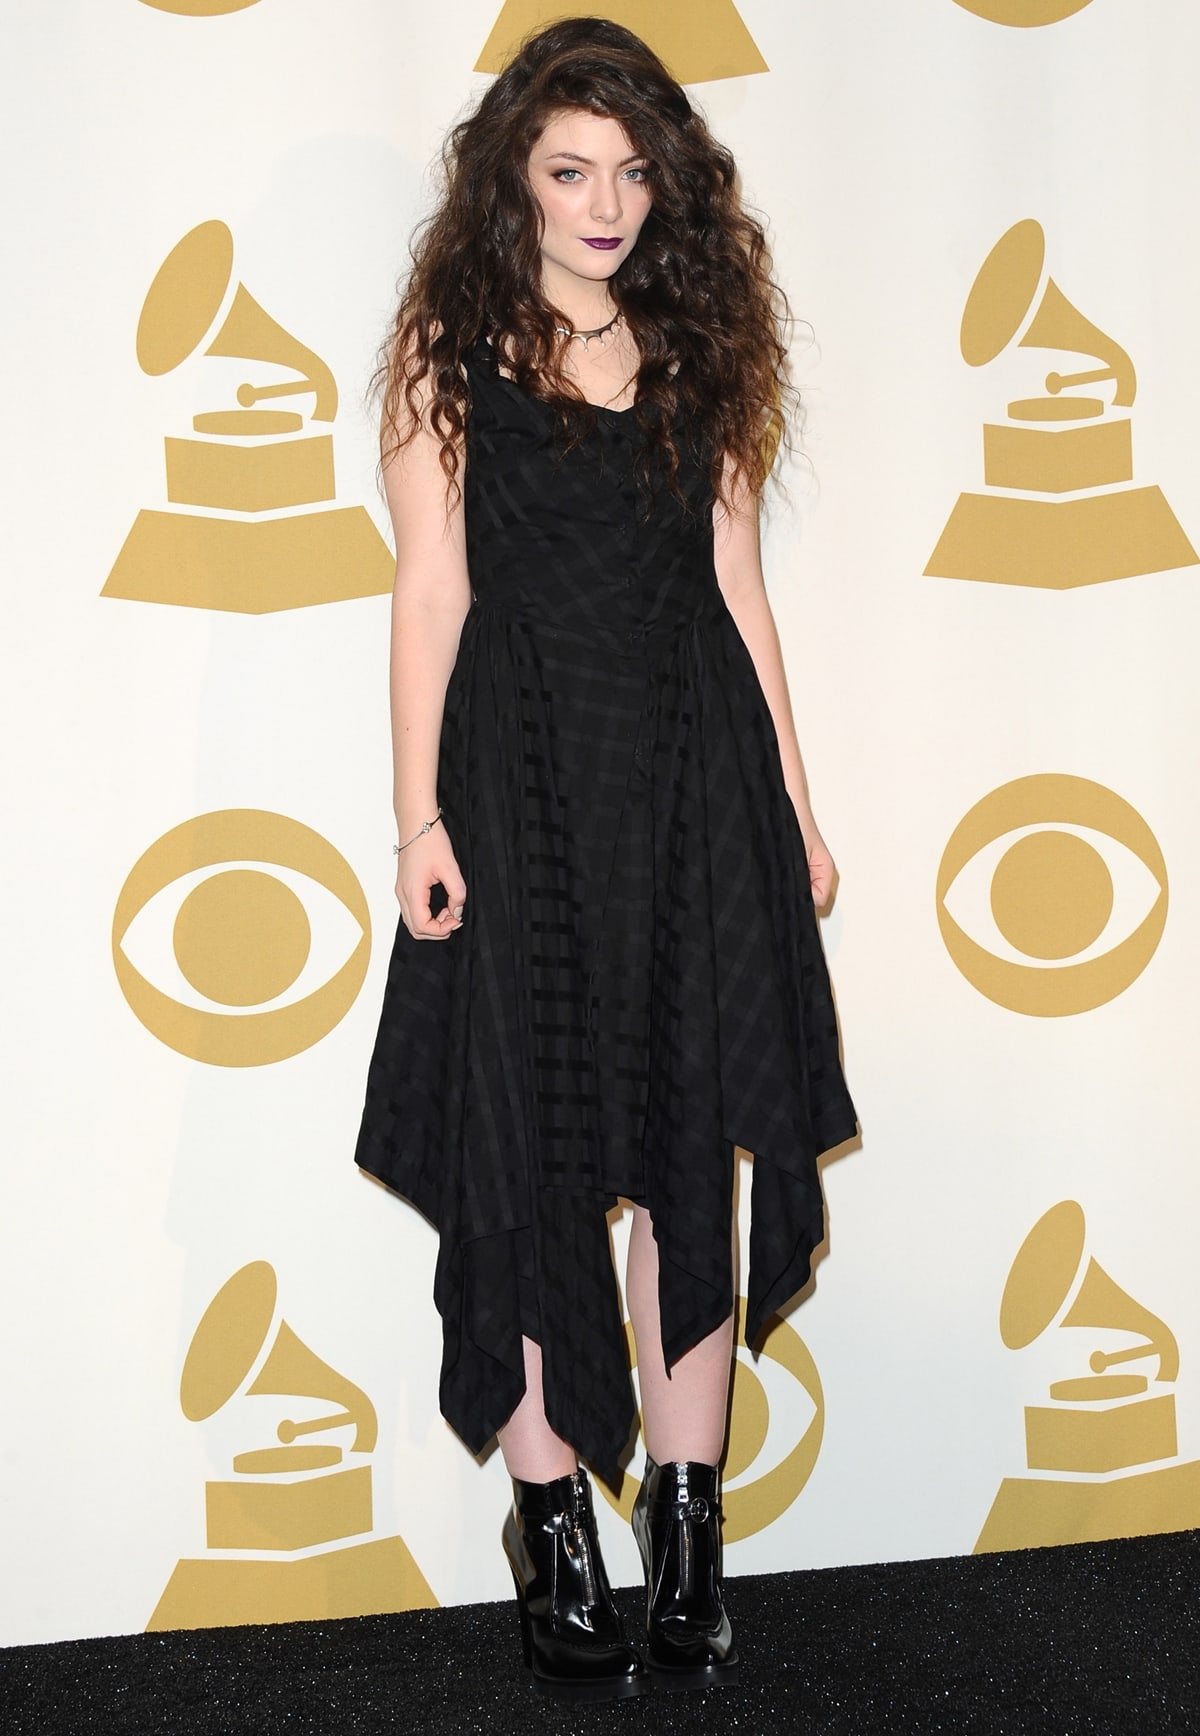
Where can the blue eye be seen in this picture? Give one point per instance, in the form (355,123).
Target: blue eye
(561,175)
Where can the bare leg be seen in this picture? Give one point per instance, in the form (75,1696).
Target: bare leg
(570,1630)
(532,1451)
(684,1416)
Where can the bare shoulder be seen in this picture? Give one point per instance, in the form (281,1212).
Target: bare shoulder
(735,535)
(426,508)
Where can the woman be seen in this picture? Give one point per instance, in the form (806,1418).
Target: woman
(608,971)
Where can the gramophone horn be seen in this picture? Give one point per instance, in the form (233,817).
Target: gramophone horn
(185,298)
(1102,1302)
(183,302)
(1059,325)
(1042,1274)
(227,1341)
(250,332)
(292,1370)
(1002,292)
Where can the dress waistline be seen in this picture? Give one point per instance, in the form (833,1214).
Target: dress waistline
(634,642)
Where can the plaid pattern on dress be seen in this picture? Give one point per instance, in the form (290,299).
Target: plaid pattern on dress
(638,984)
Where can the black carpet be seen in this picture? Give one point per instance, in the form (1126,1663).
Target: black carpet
(1101,1638)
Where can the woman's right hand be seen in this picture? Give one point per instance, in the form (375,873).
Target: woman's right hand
(427,862)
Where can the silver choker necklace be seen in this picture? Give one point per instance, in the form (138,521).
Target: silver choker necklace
(585,338)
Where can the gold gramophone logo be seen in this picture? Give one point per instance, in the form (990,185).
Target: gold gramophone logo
(1104,1450)
(699,40)
(751,1503)
(1023,14)
(288,1507)
(1052,895)
(1062,509)
(249,527)
(256,929)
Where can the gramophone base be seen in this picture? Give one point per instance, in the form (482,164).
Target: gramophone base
(265,476)
(367,1579)
(301,1514)
(1053,458)
(252,567)
(1056,545)
(1033,1512)
(1110,1437)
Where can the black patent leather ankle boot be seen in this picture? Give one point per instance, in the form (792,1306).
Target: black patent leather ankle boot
(570,1630)
(677,1524)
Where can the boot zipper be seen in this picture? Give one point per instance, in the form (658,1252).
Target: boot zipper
(585,1564)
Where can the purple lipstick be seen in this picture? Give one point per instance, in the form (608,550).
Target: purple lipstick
(605,243)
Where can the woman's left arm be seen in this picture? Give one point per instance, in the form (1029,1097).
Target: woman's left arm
(739,574)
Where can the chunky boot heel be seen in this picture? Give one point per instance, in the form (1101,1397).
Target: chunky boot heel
(570,1631)
(677,1524)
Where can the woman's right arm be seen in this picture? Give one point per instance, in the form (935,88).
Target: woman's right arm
(430,600)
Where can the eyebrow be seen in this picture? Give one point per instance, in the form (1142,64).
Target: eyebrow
(574,157)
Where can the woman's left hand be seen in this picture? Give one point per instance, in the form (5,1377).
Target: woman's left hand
(822,871)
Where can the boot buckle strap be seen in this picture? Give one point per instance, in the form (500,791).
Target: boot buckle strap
(697,1509)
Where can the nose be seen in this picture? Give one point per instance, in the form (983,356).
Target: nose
(606,200)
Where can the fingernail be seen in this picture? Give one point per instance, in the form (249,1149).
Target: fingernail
(458,910)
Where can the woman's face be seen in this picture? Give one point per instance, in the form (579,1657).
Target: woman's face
(594,193)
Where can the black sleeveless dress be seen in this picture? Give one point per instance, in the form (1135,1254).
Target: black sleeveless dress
(638,984)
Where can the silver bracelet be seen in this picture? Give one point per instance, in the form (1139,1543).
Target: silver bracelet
(426,826)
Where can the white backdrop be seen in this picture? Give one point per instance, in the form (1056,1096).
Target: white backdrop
(155,1154)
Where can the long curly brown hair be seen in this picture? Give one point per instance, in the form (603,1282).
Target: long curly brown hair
(696,292)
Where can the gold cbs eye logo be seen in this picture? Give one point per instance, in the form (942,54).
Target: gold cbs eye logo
(200,8)
(1056,864)
(234,942)
(749,1507)
(1023,14)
